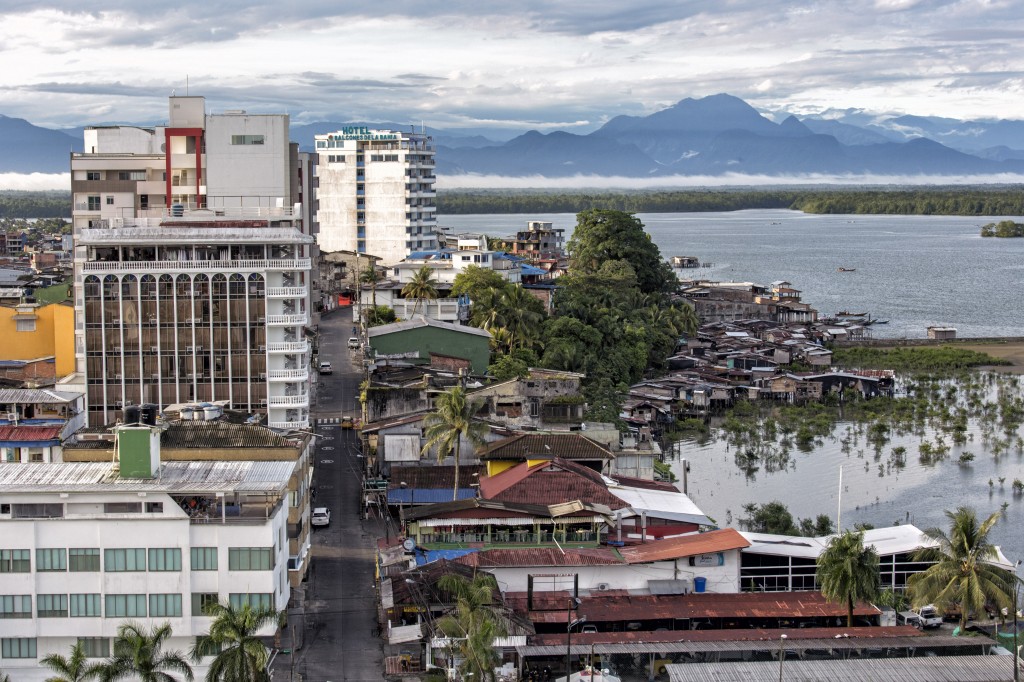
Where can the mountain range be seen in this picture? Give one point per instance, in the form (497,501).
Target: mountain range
(710,136)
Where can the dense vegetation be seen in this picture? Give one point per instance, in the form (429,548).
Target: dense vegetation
(1004,228)
(922,359)
(20,204)
(996,201)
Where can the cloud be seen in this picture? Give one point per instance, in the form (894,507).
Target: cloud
(35,182)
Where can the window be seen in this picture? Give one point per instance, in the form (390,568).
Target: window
(165,605)
(122,507)
(250,559)
(85,606)
(83,560)
(110,201)
(38,511)
(95,647)
(125,606)
(247,139)
(262,600)
(92,175)
(15,561)
(131,175)
(204,558)
(18,647)
(25,325)
(154,507)
(119,560)
(200,600)
(165,559)
(93,203)
(16,606)
(55,559)
(52,605)
(144,201)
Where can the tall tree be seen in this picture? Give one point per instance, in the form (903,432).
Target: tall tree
(74,668)
(421,287)
(848,571)
(603,235)
(962,575)
(240,655)
(522,314)
(449,424)
(473,623)
(139,654)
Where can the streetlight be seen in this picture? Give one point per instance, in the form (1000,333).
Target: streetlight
(574,604)
(782,653)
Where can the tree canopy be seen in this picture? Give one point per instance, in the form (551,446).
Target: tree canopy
(602,236)
(848,571)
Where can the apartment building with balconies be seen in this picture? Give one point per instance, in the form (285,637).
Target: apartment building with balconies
(375,192)
(192,266)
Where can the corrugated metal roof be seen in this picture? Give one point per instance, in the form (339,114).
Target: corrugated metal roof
(662,504)
(29,434)
(92,477)
(422,477)
(541,556)
(421,322)
(685,546)
(221,434)
(920,669)
(427,495)
(36,395)
(547,483)
(601,608)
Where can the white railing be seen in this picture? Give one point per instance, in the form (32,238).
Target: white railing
(195,265)
(301,318)
(288,374)
(288,400)
(286,292)
(304,424)
(288,347)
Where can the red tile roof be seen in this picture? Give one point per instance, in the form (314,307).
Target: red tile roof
(685,545)
(540,556)
(539,446)
(29,433)
(547,483)
(434,476)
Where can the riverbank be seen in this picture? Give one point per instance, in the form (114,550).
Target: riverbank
(1010,348)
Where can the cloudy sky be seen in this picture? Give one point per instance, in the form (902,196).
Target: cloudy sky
(551,64)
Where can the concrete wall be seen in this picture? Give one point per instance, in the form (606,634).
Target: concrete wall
(247,171)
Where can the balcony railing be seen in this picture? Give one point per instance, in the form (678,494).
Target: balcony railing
(288,347)
(301,424)
(174,266)
(286,292)
(288,401)
(288,320)
(287,374)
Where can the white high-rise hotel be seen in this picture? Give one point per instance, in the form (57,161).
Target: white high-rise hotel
(376,192)
(192,265)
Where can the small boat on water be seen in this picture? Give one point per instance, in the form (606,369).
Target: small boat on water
(843,313)
(847,269)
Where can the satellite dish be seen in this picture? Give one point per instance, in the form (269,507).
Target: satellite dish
(409,544)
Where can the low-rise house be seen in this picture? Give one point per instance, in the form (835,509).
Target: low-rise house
(534,448)
(428,341)
(35,423)
(543,397)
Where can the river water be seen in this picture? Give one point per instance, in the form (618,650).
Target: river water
(914,271)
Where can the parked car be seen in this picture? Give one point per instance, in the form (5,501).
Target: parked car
(347,422)
(325,368)
(321,517)
(353,343)
(930,616)
(908,618)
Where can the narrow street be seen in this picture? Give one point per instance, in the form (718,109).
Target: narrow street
(340,599)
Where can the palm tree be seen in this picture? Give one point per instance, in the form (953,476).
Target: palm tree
(421,287)
(75,668)
(139,654)
(240,655)
(370,276)
(522,313)
(848,571)
(473,623)
(962,575)
(450,423)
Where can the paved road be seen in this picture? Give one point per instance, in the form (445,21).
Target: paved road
(340,597)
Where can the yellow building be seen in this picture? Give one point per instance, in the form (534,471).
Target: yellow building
(31,331)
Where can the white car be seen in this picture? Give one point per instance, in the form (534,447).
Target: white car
(321,517)
(353,343)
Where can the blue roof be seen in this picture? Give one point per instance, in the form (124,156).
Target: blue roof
(532,270)
(427,495)
(425,556)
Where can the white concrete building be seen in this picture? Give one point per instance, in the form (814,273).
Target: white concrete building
(192,266)
(85,548)
(375,192)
